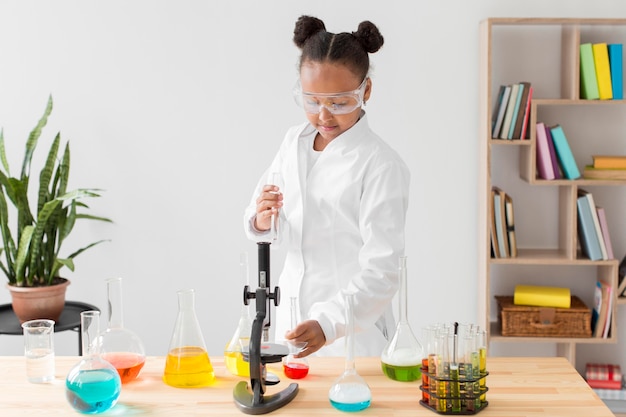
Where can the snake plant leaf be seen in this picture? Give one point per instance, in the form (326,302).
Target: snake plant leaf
(7,237)
(46,173)
(81,250)
(33,138)
(22,255)
(3,153)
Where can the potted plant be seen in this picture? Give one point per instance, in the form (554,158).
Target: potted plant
(33,234)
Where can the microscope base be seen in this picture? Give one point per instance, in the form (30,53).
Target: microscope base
(245,400)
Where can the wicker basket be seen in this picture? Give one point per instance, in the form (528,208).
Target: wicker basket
(522,320)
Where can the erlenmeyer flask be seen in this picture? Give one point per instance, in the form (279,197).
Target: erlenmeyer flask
(232,352)
(402,357)
(119,346)
(93,385)
(350,392)
(187,364)
(295,368)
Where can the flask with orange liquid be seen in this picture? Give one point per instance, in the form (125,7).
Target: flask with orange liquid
(119,346)
(187,364)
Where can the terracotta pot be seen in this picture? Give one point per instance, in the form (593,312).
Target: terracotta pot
(46,302)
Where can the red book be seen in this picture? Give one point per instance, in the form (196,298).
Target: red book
(604,384)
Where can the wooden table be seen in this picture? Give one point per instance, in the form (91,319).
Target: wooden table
(518,387)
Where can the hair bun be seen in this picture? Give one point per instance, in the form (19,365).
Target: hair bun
(369,36)
(306,26)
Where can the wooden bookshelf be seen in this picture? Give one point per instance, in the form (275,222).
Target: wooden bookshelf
(545,52)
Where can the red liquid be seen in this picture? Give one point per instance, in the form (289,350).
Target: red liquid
(425,385)
(128,365)
(296,370)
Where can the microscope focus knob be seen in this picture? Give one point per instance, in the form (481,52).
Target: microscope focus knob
(276,296)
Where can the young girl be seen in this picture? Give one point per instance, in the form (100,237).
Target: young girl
(343,204)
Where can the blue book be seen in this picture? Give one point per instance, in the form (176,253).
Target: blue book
(589,241)
(617,72)
(564,153)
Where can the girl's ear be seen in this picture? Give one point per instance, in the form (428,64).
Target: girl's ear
(368,89)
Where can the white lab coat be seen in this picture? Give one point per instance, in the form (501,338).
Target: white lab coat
(343,232)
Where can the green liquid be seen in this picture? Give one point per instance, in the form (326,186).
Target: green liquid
(402,373)
(455,391)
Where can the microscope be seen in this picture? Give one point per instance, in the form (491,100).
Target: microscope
(250,399)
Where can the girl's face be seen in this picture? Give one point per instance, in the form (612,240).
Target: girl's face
(327,78)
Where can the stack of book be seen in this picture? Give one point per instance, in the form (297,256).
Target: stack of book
(603,376)
(511,113)
(601,71)
(593,230)
(555,159)
(503,240)
(602,310)
(606,167)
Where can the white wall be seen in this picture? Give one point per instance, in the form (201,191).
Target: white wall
(175,108)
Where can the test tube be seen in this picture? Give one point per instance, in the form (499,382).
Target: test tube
(482,354)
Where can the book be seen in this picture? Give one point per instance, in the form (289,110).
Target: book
(508,115)
(555,163)
(603,70)
(494,236)
(499,214)
(544,160)
(516,110)
(589,172)
(606,235)
(564,153)
(510,225)
(586,229)
(600,306)
(609,161)
(588,81)
(609,312)
(525,131)
(596,223)
(617,72)
(504,101)
(604,384)
(521,113)
(496,108)
(542,296)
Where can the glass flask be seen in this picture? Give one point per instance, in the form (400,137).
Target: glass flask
(350,392)
(295,368)
(119,346)
(232,352)
(401,359)
(93,385)
(187,364)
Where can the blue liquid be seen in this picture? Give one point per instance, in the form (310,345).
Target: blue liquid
(350,406)
(93,391)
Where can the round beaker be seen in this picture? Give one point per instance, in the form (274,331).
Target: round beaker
(93,385)
(119,346)
(350,392)
(187,364)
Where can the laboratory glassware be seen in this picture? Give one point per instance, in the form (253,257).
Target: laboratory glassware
(293,367)
(350,392)
(93,385)
(187,364)
(120,346)
(276,179)
(401,359)
(232,352)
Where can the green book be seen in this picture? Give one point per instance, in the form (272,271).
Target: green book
(588,80)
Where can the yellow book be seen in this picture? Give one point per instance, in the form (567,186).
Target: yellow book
(532,295)
(603,70)
(609,161)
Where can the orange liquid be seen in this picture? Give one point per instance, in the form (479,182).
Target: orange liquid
(127,364)
(188,366)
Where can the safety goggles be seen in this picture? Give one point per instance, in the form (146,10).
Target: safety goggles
(335,103)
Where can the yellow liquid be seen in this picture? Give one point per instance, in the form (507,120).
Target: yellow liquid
(235,364)
(188,366)
(482,352)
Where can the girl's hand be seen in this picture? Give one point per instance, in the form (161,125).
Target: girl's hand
(308,331)
(269,202)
